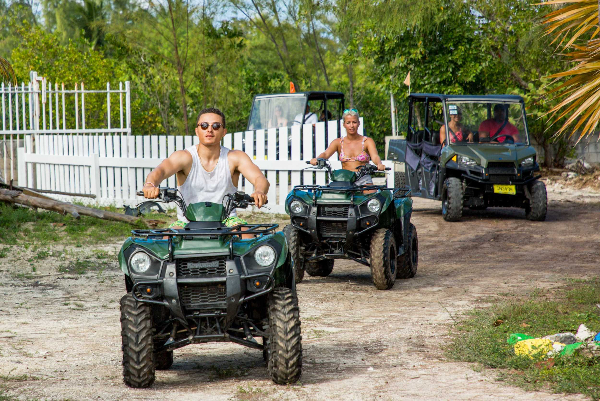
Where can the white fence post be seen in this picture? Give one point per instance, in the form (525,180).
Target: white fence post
(95,175)
(22,171)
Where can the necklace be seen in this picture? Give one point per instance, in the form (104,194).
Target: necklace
(204,168)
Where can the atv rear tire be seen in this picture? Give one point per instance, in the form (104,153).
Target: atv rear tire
(291,234)
(538,205)
(322,268)
(452,199)
(138,347)
(408,263)
(399,179)
(284,347)
(383,259)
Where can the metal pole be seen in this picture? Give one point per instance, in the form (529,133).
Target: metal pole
(392,108)
(108,104)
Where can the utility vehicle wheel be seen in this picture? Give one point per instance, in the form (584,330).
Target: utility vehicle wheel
(291,234)
(452,199)
(136,336)
(383,259)
(537,207)
(284,354)
(322,268)
(399,179)
(408,263)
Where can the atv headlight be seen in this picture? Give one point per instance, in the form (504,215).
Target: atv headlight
(528,162)
(296,207)
(264,255)
(140,262)
(374,205)
(466,161)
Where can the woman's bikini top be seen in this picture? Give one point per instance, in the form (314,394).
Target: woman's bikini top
(362,157)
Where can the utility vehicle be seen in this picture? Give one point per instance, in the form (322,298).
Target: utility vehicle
(489,162)
(369,224)
(205,283)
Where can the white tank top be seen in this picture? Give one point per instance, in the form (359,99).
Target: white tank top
(203,186)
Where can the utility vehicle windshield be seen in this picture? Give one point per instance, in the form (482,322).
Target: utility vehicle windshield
(277,111)
(489,123)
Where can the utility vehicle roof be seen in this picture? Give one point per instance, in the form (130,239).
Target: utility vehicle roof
(313,95)
(469,98)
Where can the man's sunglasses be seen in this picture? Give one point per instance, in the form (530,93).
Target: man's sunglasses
(205,126)
(347,110)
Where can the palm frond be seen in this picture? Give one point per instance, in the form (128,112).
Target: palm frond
(7,74)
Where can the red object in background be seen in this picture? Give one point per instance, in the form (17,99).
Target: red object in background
(292,87)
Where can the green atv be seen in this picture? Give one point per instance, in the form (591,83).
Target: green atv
(342,221)
(205,283)
(490,162)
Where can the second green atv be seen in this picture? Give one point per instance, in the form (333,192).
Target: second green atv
(489,162)
(369,224)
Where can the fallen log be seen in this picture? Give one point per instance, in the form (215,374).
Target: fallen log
(29,192)
(63,207)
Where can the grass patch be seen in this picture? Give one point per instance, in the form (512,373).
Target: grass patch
(4,252)
(20,225)
(81,266)
(481,338)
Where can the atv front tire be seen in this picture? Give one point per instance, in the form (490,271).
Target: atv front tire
(137,344)
(383,259)
(452,199)
(538,205)
(408,263)
(284,352)
(293,241)
(322,268)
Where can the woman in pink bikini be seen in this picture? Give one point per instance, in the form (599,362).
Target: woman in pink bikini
(355,150)
(458,132)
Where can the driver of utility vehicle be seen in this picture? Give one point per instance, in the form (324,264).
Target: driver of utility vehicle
(354,149)
(498,128)
(208,171)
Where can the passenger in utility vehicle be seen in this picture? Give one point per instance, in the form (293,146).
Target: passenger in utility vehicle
(458,131)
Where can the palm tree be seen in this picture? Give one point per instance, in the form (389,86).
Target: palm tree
(7,74)
(575,29)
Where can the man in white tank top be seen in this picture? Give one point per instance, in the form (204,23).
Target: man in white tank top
(208,171)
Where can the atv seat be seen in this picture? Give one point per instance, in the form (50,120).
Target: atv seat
(197,225)
(341,184)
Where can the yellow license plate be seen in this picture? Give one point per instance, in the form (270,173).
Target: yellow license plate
(505,189)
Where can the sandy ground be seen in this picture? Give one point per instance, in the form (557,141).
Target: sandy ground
(60,333)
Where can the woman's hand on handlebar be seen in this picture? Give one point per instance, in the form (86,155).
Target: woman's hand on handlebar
(150,191)
(380,167)
(260,198)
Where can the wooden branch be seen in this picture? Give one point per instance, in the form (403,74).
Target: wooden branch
(63,207)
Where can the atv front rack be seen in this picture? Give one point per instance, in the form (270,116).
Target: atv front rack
(212,233)
(359,188)
(256,229)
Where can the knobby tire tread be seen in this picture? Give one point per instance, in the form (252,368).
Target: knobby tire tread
(285,337)
(406,267)
(381,244)
(291,234)
(137,343)
(536,211)
(454,192)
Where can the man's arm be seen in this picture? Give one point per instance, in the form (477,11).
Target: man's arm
(252,173)
(175,163)
(333,147)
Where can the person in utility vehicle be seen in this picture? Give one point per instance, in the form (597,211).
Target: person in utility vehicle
(458,131)
(354,150)
(208,171)
(498,128)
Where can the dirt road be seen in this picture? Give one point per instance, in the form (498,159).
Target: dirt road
(59,333)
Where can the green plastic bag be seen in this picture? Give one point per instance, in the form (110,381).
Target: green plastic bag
(569,349)
(516,337)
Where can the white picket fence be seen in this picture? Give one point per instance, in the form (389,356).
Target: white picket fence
(109,169)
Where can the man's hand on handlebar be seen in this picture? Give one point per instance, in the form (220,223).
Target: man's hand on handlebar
(150,191)
(260,198)
(313,161)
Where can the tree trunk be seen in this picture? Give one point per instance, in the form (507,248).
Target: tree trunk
(180,70)
(312,22)
(351,84)
(18,197)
